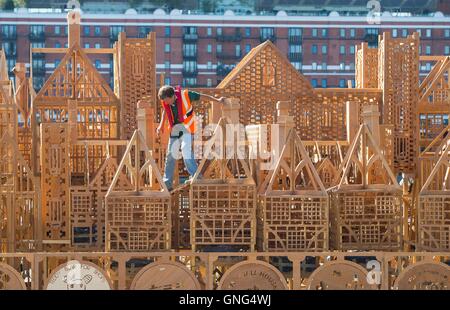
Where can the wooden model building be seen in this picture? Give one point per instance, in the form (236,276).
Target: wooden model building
(360,183)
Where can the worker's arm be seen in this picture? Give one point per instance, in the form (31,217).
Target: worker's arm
(160,128)
(205,97)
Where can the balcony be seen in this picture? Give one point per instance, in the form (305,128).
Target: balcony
(38,71)
(229,38)
(190,72)
(223,71)
(11,53)
(264,38)
(190,37)
(190,54)
(295,56)
(38,56)
(9,36)
(224,55)
(37,36)
(295,39)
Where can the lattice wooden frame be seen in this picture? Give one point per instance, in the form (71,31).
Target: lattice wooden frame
(293,214)
(366,206)
(223,200)
(138,219)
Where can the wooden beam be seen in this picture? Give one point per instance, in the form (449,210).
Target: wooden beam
(49,50)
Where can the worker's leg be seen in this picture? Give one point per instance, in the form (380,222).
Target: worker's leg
(170,164)
(188,155)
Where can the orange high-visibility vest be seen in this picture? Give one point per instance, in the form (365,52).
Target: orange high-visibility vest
(185,110)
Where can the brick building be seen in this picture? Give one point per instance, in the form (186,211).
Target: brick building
(200,49)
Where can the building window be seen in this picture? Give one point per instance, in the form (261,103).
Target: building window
(352,49)
(219,31)
(209,82)
(447,33)
(97,30)
(324,33)
(342,83)
(404,33)
(57,30)
(342,66)
(209,65)
(190,30)
(167,31)
(167,48)
(297,65)
(394,33)
(87,30)
(37,29)
(314,83)
(167,81)
(428,33)
(295,32)
(295,48)
(342,50)
(324,49)
(248,31)
(98,64)
(219,48)
(115,30)
(352,33)
(324,66)
(167,64)
(428,50)
(66,45)
(419,31)
(237,50)
(324,83)
(57,45)
(98,45)
(189,82)
(314,65)
(209,31)
(447,50)
(209,48)
(267,33)
(248,47)
(342,33)
(314,49)
(86,45)
(314,32)
(57,62)
(190,50)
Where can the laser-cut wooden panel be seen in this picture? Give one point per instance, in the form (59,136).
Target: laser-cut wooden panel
(137,77)
(366,66)
(400,95)
(55,183)
(434,106)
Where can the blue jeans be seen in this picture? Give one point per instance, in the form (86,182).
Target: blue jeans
(173,153)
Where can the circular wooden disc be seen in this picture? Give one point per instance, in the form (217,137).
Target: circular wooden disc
(253,275)
(10,279)
(339,275)
(165,276)
(424,276)
(78,275)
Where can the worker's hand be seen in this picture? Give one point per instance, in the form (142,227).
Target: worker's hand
(221,100)
(159,130)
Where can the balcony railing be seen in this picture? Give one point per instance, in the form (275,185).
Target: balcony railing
(223,71)
(38,71)
(224,55)
(37,36)
(295,56)
(264,38)
(190,54)
(190,73)
(229,38)
(190,37)
(9,36)
(295,39)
